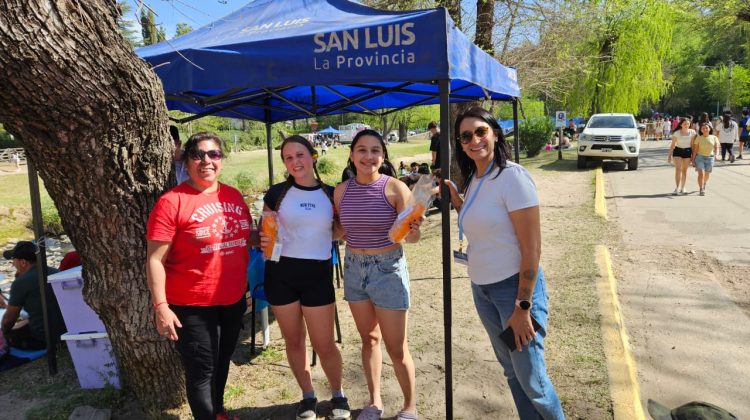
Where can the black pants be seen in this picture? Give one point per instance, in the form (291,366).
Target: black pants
(21,338)
(206,342)
(726,147)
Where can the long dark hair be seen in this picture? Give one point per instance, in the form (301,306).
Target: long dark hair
(387,167)
(290,179)
(192,144)
(727,119)
(710,129)
(679,125)
(502,152)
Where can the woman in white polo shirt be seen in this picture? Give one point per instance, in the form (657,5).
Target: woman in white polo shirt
(499,214)
(299,286)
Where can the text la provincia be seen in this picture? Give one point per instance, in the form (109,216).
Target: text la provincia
(384,36)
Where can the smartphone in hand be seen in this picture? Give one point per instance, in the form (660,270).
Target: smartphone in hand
(509,338)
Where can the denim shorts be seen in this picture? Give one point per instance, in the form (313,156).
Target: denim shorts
(704,163)
(383,279)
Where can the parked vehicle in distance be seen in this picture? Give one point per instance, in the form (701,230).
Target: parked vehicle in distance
(412,133)
(611,137)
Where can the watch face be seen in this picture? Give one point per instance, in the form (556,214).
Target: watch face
(524,304)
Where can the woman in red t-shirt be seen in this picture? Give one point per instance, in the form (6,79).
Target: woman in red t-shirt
(198,236)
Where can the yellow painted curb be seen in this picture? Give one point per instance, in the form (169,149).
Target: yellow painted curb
(623,380)
(600,206)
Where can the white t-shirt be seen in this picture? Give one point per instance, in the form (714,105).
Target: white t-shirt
(684,141)
(727,135)
(307,218)
(494,254)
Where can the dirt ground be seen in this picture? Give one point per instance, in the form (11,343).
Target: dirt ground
(262,387)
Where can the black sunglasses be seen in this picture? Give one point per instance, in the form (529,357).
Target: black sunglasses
(467,136)
(200,154)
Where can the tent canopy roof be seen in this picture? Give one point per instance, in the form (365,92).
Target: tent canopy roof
(329,130)
(274,61)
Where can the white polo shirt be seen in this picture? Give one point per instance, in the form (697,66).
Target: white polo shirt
(493,251)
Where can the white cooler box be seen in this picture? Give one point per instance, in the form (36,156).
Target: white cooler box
(94,359)
(78,316)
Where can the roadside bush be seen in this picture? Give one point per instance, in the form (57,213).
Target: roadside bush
(326,166)
(50,219)
(247,183)
(534,134)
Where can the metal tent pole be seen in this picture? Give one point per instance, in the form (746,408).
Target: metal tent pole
(445,203)
(269,148)
(41,262)
(516,141)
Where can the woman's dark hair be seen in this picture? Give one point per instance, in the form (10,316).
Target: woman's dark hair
(502,152)
(191,146)
(705,117)
(700,127)
(679,125)
(290,179)
(727,119)
(387,167)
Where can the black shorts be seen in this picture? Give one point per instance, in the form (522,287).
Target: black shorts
(685,153)
(294,279)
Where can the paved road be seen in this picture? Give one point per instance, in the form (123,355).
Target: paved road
(689,336)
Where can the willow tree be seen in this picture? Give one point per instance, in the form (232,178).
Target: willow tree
(92,118)
(623,68)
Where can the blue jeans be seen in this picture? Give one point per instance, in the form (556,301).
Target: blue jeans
(526,372)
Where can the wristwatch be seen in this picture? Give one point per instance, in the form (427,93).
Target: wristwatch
(523,304)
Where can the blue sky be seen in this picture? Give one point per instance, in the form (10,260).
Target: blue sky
(195,13)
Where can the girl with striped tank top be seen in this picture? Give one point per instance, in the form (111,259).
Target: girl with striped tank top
(376,278)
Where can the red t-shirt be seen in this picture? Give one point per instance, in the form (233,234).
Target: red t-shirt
(207,262)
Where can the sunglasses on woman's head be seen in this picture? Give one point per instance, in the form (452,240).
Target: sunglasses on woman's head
(200,154)
(467,136)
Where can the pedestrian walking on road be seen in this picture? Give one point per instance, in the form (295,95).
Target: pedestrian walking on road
(681,153)
(728,133)
(500,215)
(745,133)
(705,149)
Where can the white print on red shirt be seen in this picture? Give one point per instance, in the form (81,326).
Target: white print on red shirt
(206,210)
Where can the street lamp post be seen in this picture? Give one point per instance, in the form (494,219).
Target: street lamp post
(728,106)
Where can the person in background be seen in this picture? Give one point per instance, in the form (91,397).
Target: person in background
(196,265)
(299,286)
(705,148)
(499,213)
(728,133)
(25,294)
(180,172)
(745,133)
(70,260)
(402,171)
(434,131)
(376,277)
(681,152)
(667,128)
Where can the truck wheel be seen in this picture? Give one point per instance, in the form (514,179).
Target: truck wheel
(582,161)
(632,164)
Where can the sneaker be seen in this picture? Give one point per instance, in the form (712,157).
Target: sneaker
(340,409)
(702,192)
(731,159)
(307,409)
(675,192)
(739,157)
(682,191)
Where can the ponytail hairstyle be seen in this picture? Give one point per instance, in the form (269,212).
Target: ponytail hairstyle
(290,179)
(501,151)
(387,167)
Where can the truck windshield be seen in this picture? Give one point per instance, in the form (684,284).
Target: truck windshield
(612,121)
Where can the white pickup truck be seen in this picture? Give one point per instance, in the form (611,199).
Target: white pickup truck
(612,137)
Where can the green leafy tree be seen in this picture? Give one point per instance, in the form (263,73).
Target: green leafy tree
(182,29)
(125,24)
(149,32)
(718,89)
(625,72)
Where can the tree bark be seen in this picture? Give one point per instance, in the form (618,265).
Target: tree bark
(485,20)
(91,116)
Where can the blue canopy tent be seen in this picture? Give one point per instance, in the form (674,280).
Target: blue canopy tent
(329,130)
(274,61)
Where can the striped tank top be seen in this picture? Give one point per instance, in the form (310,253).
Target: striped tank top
(366,214)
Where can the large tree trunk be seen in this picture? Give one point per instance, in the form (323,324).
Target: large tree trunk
(91,117)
